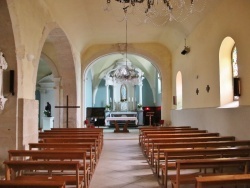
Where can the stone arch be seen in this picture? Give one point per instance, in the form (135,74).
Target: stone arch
(158,54)
(63,67)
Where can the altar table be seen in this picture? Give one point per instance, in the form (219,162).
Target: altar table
(121,118)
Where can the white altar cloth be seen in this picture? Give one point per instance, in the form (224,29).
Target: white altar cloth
(121,119)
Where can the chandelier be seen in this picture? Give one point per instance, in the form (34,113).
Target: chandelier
(124,71)
(157,12)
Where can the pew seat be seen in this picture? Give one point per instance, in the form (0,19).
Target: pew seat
(173,155)
(236,179)
(31,184)
(202,165)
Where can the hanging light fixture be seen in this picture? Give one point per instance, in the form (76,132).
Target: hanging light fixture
(124,71)
(157,12)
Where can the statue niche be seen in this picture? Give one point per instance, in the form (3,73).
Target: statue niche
(123,95)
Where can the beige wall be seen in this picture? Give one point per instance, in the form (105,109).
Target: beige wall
(28,21)
(203,60)
(32,24)
(231,18)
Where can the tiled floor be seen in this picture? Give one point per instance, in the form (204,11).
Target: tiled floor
(122,164)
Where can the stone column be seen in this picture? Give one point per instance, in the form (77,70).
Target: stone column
(42,105)
(107,94)
(113,101)
(140,93)
(57,102)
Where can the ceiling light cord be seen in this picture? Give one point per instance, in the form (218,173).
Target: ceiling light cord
(126,29)
(126,40)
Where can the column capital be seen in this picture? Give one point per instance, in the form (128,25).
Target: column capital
(57,80)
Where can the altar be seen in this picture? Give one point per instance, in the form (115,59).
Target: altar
(121,116)
(108,119)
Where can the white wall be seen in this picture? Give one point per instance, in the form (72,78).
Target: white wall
(201,67)
(226,121)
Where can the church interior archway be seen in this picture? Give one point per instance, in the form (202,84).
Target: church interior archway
(58,78)
(100,94)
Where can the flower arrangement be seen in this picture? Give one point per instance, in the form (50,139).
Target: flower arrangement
(139,106)
(107,106)
(47,113)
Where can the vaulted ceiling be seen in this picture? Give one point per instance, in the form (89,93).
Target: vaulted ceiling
(86,23)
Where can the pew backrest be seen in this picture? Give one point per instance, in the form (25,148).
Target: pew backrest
(208,163)
(12,168)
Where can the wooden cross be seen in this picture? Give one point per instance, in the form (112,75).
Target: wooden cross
(67,110)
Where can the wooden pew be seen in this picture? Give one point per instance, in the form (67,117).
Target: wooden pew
(96,144)
(88,147)
(32,184)
(157,156)
(100,130)
(223,180)
(145,128)
(175,154)
(198,164)
(13,171)
(146,139)
(86,135)
(146,132)
(96,130)
(176,135)
(78,130)
(142,128)
(151,146)
(47,155)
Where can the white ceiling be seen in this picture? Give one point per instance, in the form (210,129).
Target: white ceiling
(86,23)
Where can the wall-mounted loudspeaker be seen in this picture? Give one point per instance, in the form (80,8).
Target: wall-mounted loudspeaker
(12,75)
(237,89)
(185,51)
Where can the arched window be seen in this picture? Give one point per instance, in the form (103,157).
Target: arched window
(236,80)
(234,62)
(228,73)
(179,90)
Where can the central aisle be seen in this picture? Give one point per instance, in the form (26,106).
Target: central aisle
(122,164)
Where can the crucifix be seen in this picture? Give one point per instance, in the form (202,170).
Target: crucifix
(67,110)
(150,114)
